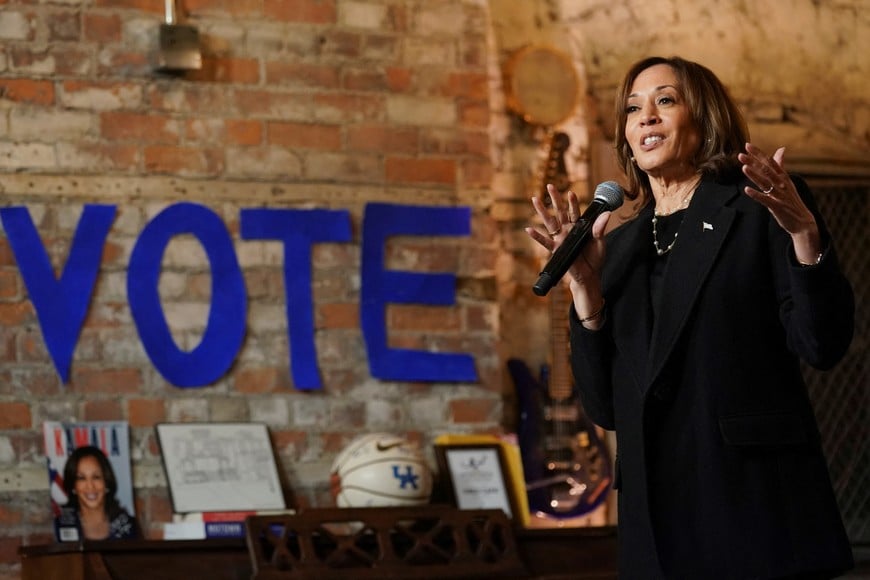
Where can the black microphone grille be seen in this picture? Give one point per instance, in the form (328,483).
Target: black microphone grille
(610,193)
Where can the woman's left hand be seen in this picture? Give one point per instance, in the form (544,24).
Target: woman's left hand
(775,191)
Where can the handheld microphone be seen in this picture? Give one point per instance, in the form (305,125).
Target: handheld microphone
(608,196)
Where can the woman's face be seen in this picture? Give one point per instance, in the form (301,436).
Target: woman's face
(659,127)
(90,486)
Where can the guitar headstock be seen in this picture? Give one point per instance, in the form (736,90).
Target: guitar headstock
(554,169)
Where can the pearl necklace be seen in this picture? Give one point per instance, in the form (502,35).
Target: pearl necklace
(655,219)
(670,246)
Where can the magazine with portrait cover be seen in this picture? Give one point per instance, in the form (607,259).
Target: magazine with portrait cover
(61,439)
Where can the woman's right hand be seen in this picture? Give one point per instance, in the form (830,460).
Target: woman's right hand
(584,275)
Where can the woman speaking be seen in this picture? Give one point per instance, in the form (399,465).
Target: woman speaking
(687,337)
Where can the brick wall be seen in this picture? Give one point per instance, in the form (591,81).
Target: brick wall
(300,104)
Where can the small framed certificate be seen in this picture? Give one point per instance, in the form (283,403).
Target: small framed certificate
(476,477)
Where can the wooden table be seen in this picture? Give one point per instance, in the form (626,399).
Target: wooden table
(551,554)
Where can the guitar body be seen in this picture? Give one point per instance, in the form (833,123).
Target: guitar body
(566,464)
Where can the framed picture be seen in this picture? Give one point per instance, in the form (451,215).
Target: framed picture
(220,467)
(476,476)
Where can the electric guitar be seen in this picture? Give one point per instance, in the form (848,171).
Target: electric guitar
(567,466)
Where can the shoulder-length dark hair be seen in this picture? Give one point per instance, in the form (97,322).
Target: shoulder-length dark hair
(721,125)
(70,474)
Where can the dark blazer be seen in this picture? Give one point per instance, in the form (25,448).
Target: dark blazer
(719,466)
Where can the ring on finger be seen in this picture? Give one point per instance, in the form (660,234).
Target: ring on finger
(556,233)
(768,190)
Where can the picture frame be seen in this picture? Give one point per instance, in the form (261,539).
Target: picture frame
(476,476)
(220,467)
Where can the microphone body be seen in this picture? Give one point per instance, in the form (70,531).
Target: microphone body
(608,197)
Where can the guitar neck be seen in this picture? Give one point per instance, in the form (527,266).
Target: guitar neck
(561,383)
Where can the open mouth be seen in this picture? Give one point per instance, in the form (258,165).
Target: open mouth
(652,140)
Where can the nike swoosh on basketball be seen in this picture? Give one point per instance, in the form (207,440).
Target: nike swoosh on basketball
(388,446)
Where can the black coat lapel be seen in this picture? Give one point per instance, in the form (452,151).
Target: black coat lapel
(701,236)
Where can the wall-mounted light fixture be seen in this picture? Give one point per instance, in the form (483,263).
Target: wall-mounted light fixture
(179,45)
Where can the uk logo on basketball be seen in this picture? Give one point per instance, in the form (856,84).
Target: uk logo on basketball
(408,478)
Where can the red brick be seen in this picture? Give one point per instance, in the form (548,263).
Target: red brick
(258,102)
(102,410)
(398,17)
(479,318)
(315,11)
(365,81)
(145,412)
(474,86)
(474,114)
(399,79)
(456,143)
(473,410)
(227,70)
(341,43)
(159,510)
(41,383)
(300,74)
(169,159)
(138,127)
(405,170)
(7,351)
(334,442)
(476,174)
(381,138)
(109,381)
(27,91)
(423,318)
(340,381)
(141,5)
(350,415)
(380,44)
(63,26)
(102,28)
(9,288)
(239,8)
(261,380)
(337,315)
(289,444)
(15,416)
(305,135)
(7,257)
(16,313)
(418,253)
(244,132)
(113,253)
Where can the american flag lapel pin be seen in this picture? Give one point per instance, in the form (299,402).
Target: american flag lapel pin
(707,226)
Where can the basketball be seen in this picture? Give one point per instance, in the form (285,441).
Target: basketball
(380,469)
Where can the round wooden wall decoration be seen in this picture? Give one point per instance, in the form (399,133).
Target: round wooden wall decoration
(542,85)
